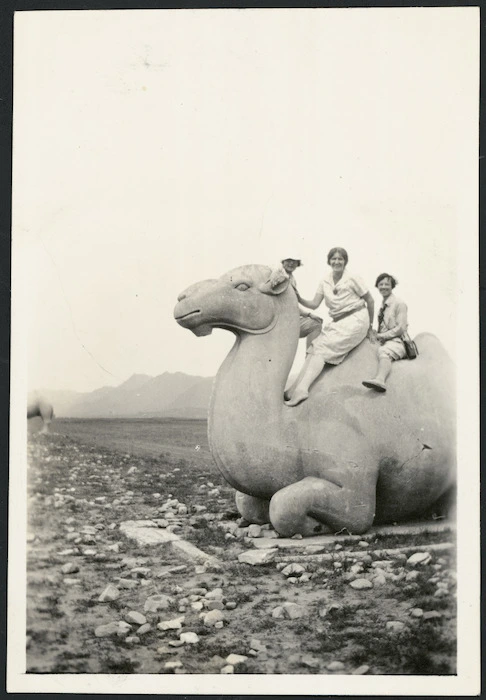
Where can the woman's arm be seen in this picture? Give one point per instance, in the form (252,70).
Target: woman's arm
(370,303)
(313,303)
(399,328)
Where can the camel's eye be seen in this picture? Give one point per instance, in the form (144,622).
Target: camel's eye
(242,287)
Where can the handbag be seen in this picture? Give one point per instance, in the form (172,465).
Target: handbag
(410,347)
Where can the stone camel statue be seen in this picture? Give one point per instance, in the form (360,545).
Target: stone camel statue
(345,458)
(41,407)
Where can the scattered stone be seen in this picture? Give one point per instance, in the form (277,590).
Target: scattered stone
(419,559)
(363,543)
(120,629)
(379,580)
(219,625)
(412,576)
(395,626)
(254,530)
(189,638)
(174,624)
(70,568)
(132,640)
(416,612)
(431,615)
(144,629)
(110,593)
(215,594)
(309,661)
(360,584)
(135,618)
(166,650)
(215,605)
(335,666)
(234,659)
(176,643)
(361,670)
(172,665)
(270,534)
(293,570)
(256,557)
(257,646)
(71,582)
(230,605)
(228,669)
(127,583)
(157,602)
(289,610)
(141,572)
(211,618)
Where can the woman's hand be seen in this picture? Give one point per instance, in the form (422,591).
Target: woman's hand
(372,335)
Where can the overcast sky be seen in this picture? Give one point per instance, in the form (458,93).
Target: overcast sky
(153,149)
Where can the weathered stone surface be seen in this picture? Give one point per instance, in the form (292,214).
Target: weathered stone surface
(189,638)
(335,666)
(257,557)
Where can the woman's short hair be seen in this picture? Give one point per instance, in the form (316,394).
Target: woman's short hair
(386,275)
(341,252)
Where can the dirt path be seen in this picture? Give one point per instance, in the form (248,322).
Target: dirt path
(303,621)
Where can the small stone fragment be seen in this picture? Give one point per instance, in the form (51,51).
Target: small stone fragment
(335,666)
(120,629)
(361,670)
(110,593)
(157,602)
(174,624)
(144,629)
(256,557)
(361,583)
(211,618)
(416,612)
(70,568)
(135,618)
(395,626)
(189,638)
(172,665)
(419,559)
(293,570)
(228,669)
(234,659)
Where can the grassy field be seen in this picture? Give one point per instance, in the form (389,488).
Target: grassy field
(89,476)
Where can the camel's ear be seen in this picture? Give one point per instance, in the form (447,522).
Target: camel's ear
(267,288)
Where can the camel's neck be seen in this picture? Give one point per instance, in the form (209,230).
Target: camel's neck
(257,368)
(247,400)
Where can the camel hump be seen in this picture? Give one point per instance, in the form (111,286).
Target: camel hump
(429,345)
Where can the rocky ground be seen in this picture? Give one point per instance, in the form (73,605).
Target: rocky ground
(99,602)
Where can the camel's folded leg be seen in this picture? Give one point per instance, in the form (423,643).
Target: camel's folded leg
(315,506)
(253,509)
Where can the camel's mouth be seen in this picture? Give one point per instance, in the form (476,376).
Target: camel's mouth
(186,316)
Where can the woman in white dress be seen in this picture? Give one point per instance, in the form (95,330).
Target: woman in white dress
(351,308)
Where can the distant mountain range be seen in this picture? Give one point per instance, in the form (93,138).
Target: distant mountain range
(175,395)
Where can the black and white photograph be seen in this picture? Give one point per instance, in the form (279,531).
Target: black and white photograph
(244,423)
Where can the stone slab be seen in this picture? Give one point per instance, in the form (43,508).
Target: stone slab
(192,552)
(402,530)
(289,556)
(145,533)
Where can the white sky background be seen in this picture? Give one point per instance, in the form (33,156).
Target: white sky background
(153,149)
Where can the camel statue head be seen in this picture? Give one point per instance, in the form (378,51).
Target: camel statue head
(241,300)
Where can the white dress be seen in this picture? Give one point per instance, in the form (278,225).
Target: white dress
(341,335)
